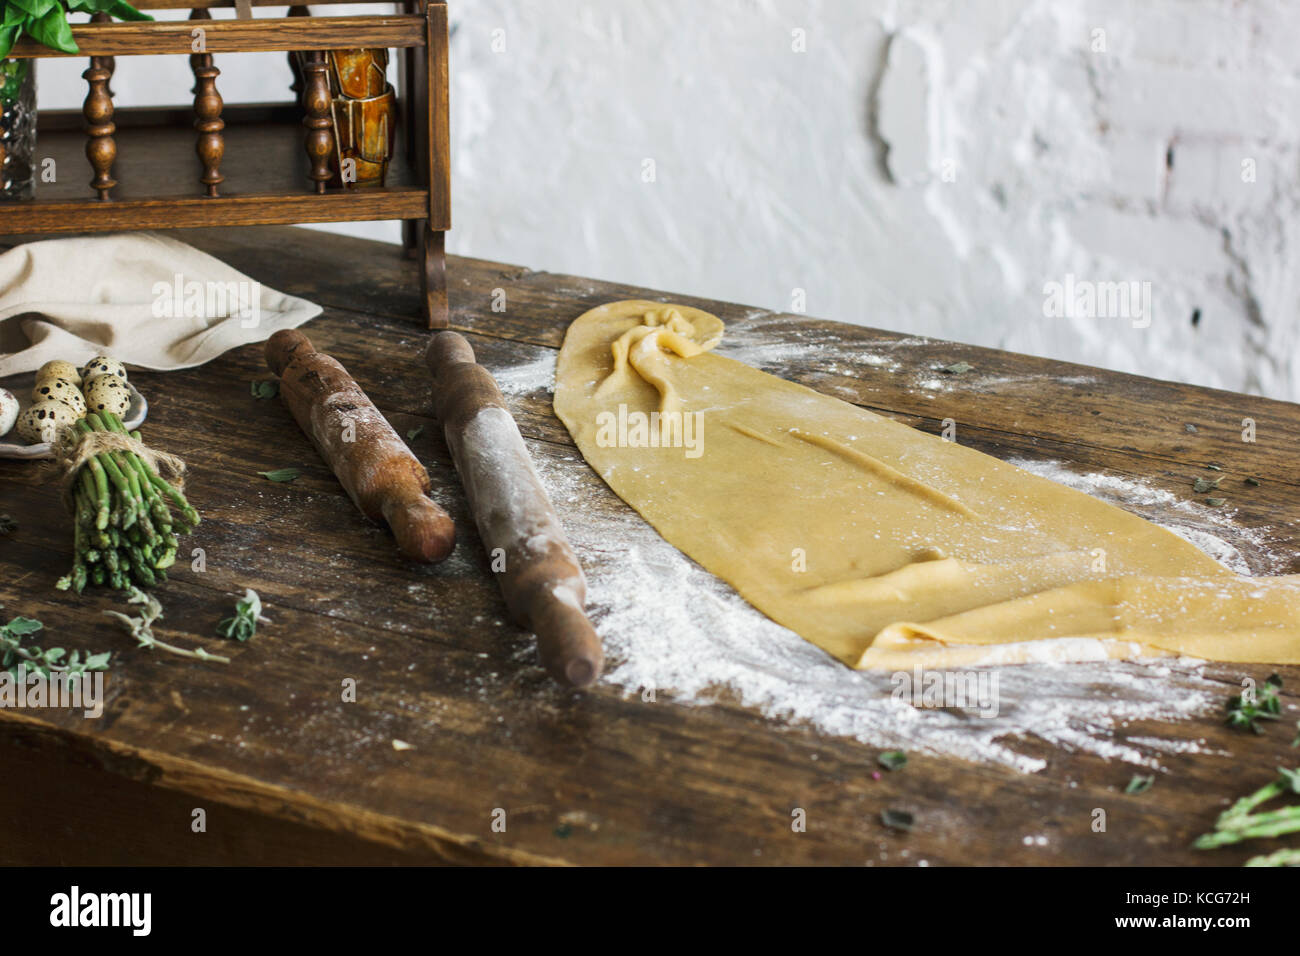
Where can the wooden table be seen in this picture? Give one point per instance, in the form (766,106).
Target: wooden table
(287,772)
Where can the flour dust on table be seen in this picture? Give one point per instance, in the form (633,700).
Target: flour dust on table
(673,628)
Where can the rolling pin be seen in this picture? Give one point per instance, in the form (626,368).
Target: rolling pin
(539,574)
(373,464)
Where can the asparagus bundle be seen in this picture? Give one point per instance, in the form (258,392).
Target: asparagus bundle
(125,529)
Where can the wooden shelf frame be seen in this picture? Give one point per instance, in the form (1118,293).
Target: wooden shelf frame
(418,192)
(262,35)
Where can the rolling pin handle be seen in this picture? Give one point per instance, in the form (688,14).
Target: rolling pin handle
(282,347)
(446,348)
(568,645)
(424,532)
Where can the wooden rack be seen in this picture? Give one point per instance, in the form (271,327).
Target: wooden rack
(256,164)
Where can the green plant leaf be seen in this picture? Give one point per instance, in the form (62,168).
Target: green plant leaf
(280,474)
(897,819)
(124,11)
(35,9)
(892,760)
(20,626)
(52,29)
(8,34)
(1139,784)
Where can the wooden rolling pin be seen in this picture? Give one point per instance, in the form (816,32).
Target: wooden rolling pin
(372,463)
(541,579)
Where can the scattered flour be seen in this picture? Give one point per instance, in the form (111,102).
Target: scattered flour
(673,628)
(532,376)
(1213,530)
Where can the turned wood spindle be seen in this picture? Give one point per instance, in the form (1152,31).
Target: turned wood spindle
(107,62)
(316,103)
(101,148)
(207,120)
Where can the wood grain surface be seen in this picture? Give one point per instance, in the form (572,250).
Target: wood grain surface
(262,35)
(268,745)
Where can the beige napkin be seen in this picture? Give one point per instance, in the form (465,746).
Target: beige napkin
(142,298)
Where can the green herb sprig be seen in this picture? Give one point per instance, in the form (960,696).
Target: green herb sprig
(248,614)
(141,628)
(892,760)
(56,660)
(1245,711)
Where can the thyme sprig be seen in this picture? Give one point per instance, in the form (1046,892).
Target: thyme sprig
(1246,710)
(56,660)
(141,628)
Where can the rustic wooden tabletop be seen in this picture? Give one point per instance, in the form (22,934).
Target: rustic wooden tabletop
(287,771)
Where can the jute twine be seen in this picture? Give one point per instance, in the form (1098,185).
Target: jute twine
(73,449)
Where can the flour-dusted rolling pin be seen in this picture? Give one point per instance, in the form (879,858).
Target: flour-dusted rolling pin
(372,463)
(540,578)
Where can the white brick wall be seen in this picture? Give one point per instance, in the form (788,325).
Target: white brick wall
(923,165)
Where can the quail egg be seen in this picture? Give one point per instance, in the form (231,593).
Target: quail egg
(57,368)
(102,365)
(60,390)
(8,411)
(108,393)
(42,421)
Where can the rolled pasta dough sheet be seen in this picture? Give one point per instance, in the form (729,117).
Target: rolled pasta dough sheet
(884,545)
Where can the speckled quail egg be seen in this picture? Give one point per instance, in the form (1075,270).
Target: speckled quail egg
(57,368)
(102,365)
(42,421)
(8,411)
(108,393)
(60,390)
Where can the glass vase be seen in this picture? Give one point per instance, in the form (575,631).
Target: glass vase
(17,128)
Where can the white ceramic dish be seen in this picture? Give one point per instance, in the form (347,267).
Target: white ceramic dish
(11,447)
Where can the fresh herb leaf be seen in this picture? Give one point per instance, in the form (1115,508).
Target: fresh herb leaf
(1189,428)
(1214,467)
(1202,485)
(1290,778)
(22,626)
(1246,710)
(141,628)
(415,433)
(1139,784)
(265,388)
(897,819)
(957,368)
(248,614)
(892,760)
(1253,481)
(1216,502)
(280,474)
(15,655)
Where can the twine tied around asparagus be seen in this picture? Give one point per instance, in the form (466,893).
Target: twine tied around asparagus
(74,448)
